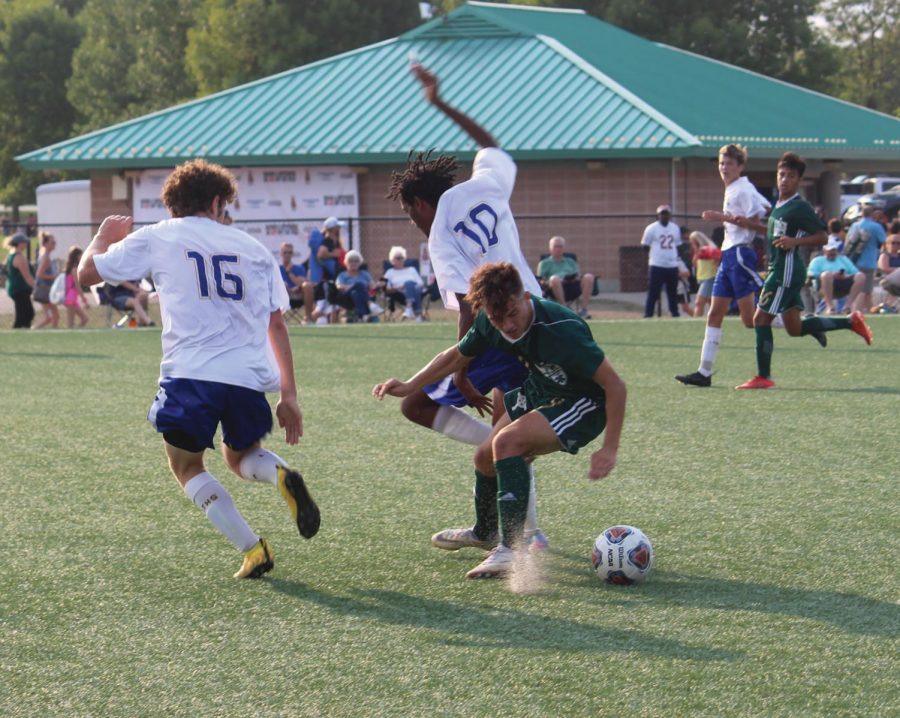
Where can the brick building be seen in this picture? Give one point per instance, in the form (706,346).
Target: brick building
(603,124)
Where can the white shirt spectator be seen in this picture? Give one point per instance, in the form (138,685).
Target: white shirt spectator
(397,278)
(217,288)
(473,225)
(663,242)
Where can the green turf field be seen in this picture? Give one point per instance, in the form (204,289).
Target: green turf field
(774,516)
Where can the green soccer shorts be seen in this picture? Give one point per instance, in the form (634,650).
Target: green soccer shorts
(776,298)
(576,422)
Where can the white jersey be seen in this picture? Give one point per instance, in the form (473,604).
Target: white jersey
(663,242)
(473,225)
(217,288)
(742,199)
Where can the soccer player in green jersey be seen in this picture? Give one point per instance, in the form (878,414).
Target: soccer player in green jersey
(570,395)
(792,223)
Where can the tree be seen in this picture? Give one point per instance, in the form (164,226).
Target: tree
(225,47)
(866,33)
(131,61)
(37,40)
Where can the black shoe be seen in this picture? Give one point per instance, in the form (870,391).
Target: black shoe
(820,337)
(695,379)
(303,508)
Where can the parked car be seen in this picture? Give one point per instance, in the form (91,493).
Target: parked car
(858,187)
(888,202)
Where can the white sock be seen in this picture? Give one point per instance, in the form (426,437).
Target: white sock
(710,347)
(214,500)
(531,521)
(460,425)
(260,465)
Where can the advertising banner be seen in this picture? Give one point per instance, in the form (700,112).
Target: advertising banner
(274,204)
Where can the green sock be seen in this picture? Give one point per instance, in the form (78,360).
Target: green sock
(814,325)
(764,347)
(513,487)
(485,505)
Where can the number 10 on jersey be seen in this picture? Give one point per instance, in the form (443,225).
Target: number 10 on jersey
(228,285)
(480,226)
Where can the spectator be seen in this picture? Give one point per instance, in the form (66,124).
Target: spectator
(31,226)
(684,288)
(294,276)
(835,276)
(836,233)
(561,278)
(705,256)
(864,240)
(403,284)
(129,296)
(19,282)
(353,286)
(44,275)
(889,267)
(663,238)
(325,251)
(75,301)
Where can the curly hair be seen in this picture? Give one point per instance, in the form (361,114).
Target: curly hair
(492,286)
(792,161)
(423,177)
(193,186)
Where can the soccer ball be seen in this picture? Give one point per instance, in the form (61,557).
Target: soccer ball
(622,555)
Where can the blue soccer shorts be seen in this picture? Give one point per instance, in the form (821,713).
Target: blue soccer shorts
(195,408)
(737,276)
(492,369)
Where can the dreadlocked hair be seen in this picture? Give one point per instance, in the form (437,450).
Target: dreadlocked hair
(423,177)
(492,286)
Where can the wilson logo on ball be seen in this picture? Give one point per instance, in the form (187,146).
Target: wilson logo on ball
(617,534)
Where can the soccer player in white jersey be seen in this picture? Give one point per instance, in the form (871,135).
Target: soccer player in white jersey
(224,344)
(467,225)
(737,278)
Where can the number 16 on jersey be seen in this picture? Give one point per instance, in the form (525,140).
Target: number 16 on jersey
(228,285)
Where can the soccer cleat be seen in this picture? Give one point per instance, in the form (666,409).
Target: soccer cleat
(757,382)
(695,379)
(859,326)
(257,561)
(498,562)
(537,542)
(303,508)
(820,337)
(455,539)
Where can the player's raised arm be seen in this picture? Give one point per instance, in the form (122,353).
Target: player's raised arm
(604,460)
(113,229)
(444,364)
(472,128)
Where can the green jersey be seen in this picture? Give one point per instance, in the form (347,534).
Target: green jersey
(558,350)
(793,218)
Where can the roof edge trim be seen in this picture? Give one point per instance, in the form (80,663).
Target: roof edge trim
(605,79)
(775,79)
(527,8)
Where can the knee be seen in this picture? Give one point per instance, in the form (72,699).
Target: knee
(555,281)
(484,458)
(748,322)
(506,444)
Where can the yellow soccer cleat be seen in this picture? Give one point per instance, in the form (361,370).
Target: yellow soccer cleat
(303,508)
(257,561)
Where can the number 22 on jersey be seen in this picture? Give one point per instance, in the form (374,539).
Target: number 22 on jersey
(480,225)
(228,285)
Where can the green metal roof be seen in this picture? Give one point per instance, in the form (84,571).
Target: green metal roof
(549,84)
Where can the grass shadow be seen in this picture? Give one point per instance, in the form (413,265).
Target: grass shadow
(847,611)
(472,625)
